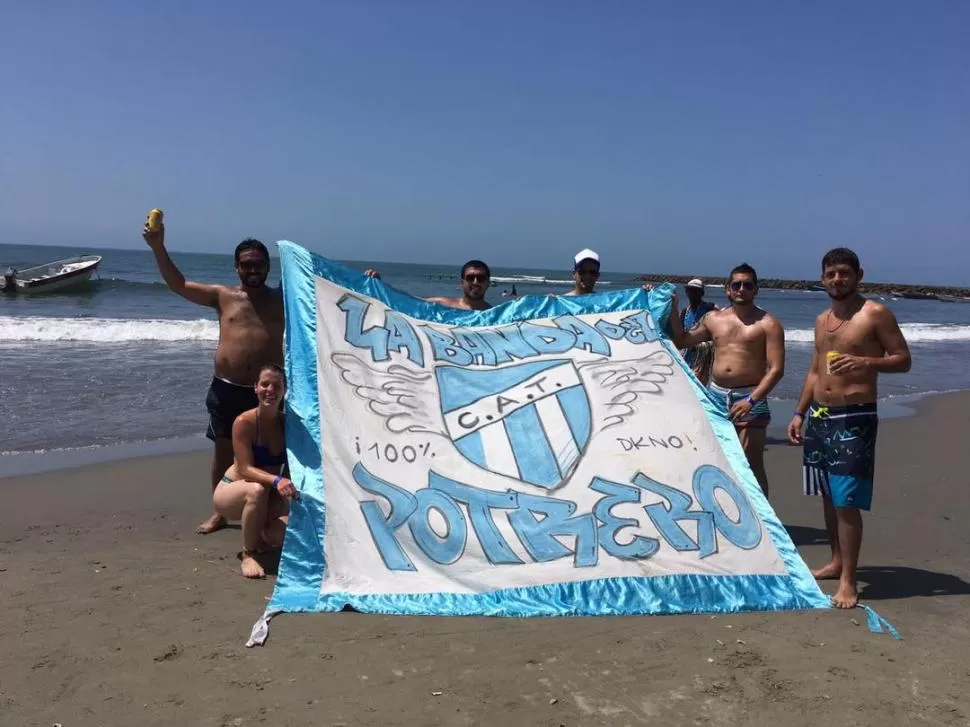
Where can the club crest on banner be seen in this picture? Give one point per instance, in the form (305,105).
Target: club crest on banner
(529,421)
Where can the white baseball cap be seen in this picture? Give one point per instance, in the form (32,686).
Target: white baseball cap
(586,254)
(695,283)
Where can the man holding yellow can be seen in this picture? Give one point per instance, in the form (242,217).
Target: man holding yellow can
(858,339)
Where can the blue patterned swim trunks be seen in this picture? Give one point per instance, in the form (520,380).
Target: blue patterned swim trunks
(839,453)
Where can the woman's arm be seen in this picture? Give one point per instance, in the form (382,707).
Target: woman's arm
(243,438)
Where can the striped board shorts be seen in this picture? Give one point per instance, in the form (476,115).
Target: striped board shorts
(839,453)
(758,417)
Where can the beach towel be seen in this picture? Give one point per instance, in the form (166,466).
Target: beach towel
(551,456)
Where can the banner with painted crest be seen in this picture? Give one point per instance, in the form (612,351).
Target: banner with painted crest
(550,456)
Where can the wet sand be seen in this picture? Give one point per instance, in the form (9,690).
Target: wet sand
(115,613)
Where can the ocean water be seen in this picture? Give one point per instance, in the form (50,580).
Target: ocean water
(125,360)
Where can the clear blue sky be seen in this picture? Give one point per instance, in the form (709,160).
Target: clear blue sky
(670,136)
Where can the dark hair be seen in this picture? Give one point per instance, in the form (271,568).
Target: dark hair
(475,264)
(841,256)
(745,269)
(275,368)
(250,244)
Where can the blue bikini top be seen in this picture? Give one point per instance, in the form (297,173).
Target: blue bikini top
(262,457)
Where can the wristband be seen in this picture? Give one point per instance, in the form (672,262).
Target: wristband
(276,481)
(799,414)
(751,401)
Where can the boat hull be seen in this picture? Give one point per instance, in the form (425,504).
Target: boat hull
(61,275)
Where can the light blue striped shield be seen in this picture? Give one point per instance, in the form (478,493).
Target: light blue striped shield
(530,421)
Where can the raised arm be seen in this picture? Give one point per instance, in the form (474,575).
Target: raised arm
(200,293)
(686,339)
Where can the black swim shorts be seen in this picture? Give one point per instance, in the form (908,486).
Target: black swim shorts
(225,401)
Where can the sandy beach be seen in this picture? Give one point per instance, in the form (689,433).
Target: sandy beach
(115,613)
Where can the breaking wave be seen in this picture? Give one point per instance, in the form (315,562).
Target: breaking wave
(106,330)
(120,330)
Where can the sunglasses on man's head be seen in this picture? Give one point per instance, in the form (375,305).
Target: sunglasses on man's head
(742,284)
(476,278)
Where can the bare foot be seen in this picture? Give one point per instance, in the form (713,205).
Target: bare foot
(251,567)
(828,572)
(215,522)
(846,597)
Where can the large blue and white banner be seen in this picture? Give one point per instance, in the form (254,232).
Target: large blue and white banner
(550,456)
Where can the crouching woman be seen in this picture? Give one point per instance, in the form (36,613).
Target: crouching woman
(254,489)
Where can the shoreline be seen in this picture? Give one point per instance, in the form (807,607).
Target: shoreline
(117,613)
(19,464)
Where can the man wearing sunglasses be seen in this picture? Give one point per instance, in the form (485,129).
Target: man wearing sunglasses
(475,279)
(749,360)
(586,271)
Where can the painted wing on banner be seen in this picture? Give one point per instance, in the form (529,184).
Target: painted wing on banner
(402,397)
(627,383)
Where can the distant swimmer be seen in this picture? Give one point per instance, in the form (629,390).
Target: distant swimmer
(855,341)
(586,271)
(749,360)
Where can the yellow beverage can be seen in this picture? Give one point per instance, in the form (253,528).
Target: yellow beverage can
(155,219)
(829,357)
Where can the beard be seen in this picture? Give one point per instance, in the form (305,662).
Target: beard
(253,281)
(841,295)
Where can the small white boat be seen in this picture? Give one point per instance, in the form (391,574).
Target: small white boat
(49,277)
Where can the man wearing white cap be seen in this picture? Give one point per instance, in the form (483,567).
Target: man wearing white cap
(696,309)
(700,358)
(586,271)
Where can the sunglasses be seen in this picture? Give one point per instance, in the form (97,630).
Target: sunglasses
(742,284)
(476,278)
(592,272)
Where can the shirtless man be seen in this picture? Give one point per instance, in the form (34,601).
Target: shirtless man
(586,271)
(855,340)
(475,279)
(250,336)
(749,360)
